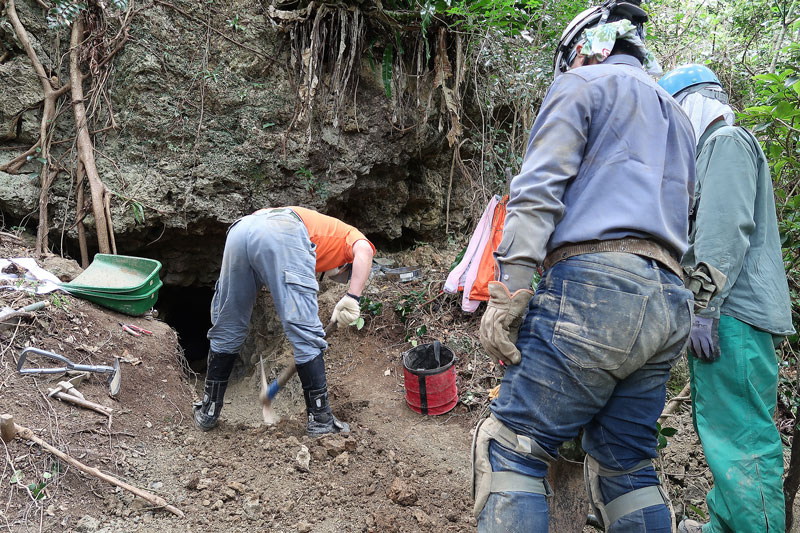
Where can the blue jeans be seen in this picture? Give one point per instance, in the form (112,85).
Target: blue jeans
(272,249)
(597,345)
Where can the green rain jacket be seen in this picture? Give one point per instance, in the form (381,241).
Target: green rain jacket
(735,229)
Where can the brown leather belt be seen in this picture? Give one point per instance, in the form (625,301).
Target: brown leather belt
(642,247)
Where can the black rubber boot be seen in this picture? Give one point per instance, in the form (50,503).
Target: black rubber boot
(315,391)
(206,412)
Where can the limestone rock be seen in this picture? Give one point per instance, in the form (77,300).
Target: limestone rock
(87,523)
(402,493)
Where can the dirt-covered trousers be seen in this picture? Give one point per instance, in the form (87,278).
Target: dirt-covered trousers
(597,344)
(733,402)
(273,249)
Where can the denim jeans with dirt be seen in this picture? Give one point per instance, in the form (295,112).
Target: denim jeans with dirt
(597,345)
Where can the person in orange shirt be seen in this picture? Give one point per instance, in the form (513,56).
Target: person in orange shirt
(283,248)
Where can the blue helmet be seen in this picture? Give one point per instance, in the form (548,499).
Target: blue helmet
(685,76)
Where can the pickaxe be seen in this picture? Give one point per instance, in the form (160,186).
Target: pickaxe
(268,392)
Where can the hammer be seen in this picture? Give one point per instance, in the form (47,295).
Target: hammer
(268,392)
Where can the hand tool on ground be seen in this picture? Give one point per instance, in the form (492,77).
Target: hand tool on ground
(9,431)
(7,313)
(268,392)
(67,392)
(114,374)
(136,331)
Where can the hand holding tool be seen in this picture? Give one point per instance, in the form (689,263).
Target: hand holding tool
(501,321)
(268,392)
(346,311)
(114,377)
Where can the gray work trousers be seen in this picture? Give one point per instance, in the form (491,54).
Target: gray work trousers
(273,249)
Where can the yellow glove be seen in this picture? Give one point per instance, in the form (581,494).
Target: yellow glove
(346,311)
(501,321)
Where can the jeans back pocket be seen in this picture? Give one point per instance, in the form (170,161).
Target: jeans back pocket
(597,326)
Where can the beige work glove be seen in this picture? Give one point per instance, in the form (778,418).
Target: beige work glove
(346,311)
(501,321)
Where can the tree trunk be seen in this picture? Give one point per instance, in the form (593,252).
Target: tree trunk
(85,146)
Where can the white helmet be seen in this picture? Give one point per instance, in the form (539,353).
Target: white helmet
(610,9)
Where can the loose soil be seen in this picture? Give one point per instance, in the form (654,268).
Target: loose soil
(397,471)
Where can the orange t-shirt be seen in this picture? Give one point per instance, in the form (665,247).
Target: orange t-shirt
(334,238)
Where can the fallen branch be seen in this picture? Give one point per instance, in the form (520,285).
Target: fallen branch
(9,430)
(675,402)
(102,409)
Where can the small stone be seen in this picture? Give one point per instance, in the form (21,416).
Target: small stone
(157,485)
(343,459)
(205,503)
(302,527)
(238,487)
(402,493)
(252,508)
(228,493)
(204,483)
(292,441)
(334,445)
(192,483)
(87,523)
(303,459)
(217,505)
(421,517)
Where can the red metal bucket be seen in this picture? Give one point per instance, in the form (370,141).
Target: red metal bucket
(430,379)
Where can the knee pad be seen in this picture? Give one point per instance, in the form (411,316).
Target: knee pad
(485,481)
(608,513)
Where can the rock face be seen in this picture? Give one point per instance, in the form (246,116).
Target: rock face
(207,132)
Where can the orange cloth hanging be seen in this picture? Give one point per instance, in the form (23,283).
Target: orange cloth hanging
(487,269)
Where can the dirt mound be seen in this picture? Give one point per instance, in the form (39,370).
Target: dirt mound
(240,476)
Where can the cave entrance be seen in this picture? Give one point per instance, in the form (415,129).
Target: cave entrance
(187,311)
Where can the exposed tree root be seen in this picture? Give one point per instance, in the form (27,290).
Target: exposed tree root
(99,192)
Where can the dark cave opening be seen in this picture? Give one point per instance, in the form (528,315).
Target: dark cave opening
(187,311)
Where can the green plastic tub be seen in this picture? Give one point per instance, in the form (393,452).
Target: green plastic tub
(128,304)
(117,274)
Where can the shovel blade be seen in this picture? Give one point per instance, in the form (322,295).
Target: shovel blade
(115,380)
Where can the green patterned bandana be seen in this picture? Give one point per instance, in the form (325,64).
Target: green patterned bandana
(600,41)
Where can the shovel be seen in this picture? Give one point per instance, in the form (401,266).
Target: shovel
(114,378)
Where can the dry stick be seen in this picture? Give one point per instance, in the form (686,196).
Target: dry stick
(102,409)
(85,146)
(674,403)
(9,430)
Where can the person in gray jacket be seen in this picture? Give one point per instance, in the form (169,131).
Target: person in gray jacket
(734,371)
(602,204)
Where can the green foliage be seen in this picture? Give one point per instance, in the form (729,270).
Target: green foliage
(64,12)
(312,184)
(775,118)
(662,433)
(59,301)
(371,307)
(233,23)
(408,303)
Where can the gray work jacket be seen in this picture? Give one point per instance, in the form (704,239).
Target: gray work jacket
(735,230)
(610,155)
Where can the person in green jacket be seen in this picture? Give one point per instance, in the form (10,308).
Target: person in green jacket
(732,362)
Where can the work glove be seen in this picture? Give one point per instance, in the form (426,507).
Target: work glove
(501,321)
(346,311)
(704,338)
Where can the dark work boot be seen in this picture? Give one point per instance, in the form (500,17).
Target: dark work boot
(206,412)
(315,392)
